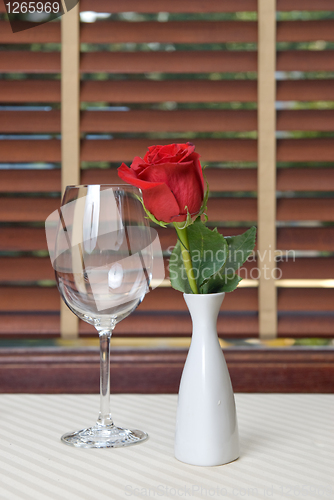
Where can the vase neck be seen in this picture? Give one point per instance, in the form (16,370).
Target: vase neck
(204,311)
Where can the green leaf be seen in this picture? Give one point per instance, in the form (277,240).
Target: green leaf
(206,197)
(239,249)
(221,283)
(208,250)
(231,283)
(186,223)
(177,272)
(215,259)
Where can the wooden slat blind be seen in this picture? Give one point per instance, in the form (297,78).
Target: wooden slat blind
(156,78)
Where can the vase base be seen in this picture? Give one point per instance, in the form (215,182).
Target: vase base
(104,437)
(208,463)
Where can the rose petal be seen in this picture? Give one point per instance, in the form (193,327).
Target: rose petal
(138,163)
(184,181)
(170,153)
(158,198)
(130,176)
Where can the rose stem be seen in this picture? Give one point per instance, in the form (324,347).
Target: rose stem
(183,237)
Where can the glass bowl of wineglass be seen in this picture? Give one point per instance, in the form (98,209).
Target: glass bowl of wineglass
(101,247)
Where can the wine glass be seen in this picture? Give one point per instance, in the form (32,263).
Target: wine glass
(102,254)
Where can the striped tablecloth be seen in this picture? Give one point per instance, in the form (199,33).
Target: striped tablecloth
(287,444)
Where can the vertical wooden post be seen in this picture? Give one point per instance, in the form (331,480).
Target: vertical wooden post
(267,167)
(70,128)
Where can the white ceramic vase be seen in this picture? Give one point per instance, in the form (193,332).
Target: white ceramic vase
(206,423)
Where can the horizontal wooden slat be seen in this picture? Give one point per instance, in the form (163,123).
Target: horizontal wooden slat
(29,121)
(136,325)
(165,299)
(18,151)
(305,179)
(305,60)
(305,90)
(168,121)
(305,209)
(139,91)
(307,268)
(169,32)
(307,299)
(142,91)
(167,62)
(212,150)
(29,370)
(229,325)
(29,62)
(20,326)
(165,121)
(27,209)
(310,5)
(232,209)
(22,239)
(195,6)
(305,325)
(127,91)
(182,6)
(25,269)
(30,181)
(27,91)
(317,120)
(171,325)
(305,150)
(29,299)
(45,33)
(305,31)
(220,179)
(200,31)
(306,238)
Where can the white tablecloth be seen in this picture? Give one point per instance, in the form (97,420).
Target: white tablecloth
(286,444)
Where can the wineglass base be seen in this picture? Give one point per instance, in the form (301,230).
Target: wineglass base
(104,437)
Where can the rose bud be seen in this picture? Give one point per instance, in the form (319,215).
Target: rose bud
(171,181)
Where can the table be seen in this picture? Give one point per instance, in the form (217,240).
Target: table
(286,442)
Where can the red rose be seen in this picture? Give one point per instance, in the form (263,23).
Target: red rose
(171,180)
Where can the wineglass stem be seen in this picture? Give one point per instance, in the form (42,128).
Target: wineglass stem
(105,418)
